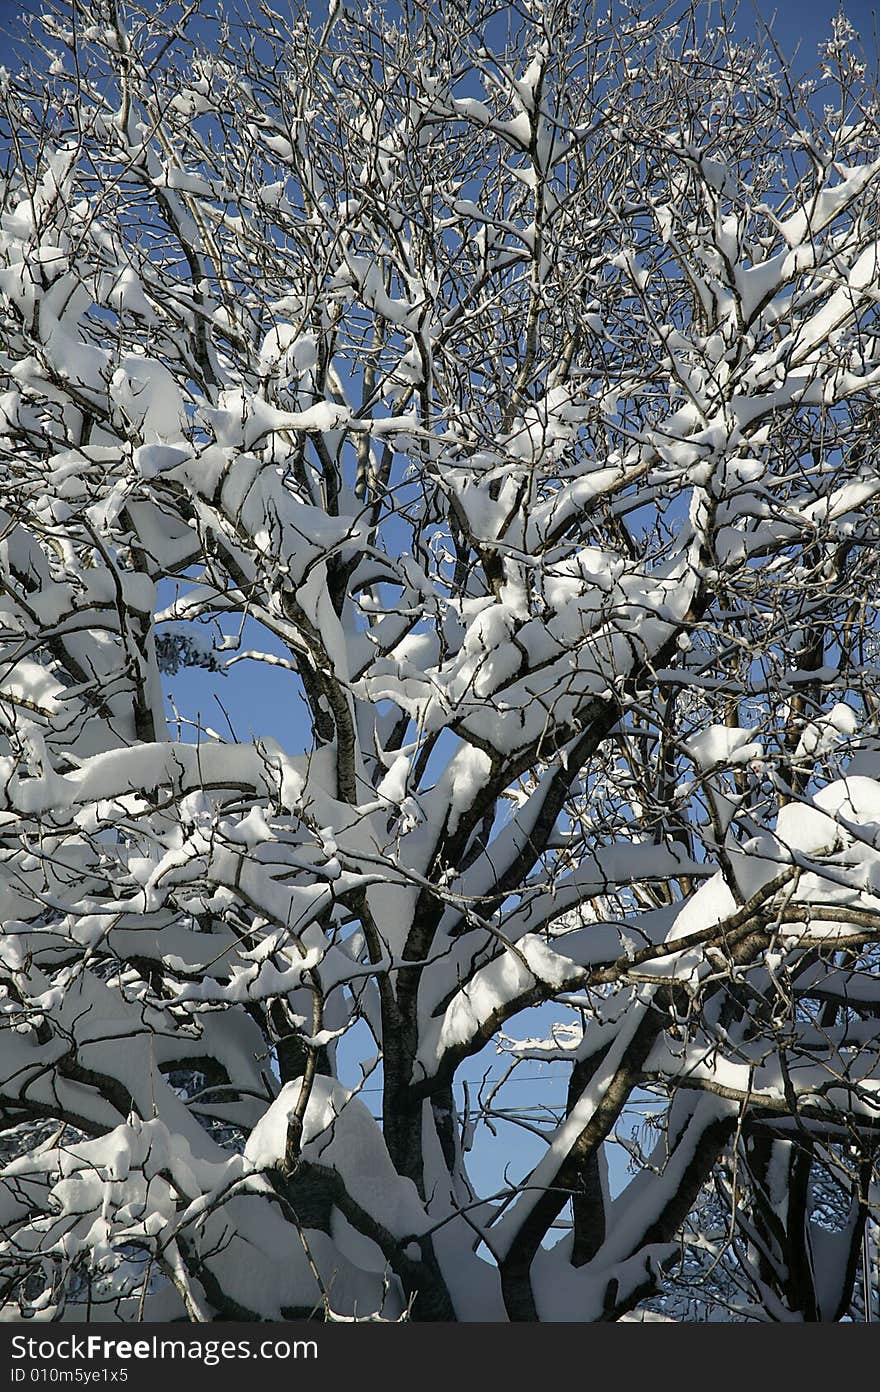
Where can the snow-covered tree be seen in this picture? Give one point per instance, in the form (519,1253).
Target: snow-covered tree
(508,379)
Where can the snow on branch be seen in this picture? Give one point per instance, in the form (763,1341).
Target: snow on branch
(488,402)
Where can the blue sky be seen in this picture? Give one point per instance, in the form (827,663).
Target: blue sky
(794,22)
(807,22)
